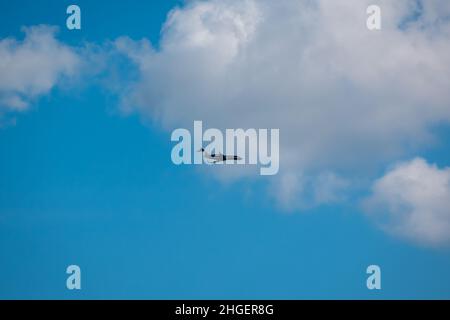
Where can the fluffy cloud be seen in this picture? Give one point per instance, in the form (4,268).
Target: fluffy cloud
(32,67)
(413,201)
(347,100)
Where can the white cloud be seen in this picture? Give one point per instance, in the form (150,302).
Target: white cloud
(31,67)
(347,100)
(413,201)
(294,191)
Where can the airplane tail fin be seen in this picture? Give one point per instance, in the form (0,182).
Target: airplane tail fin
(207,155)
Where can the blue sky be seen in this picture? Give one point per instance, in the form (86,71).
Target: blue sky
(83,184)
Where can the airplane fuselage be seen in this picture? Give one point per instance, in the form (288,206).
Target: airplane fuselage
(221,157)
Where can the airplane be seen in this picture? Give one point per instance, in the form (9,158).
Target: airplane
(219,157)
